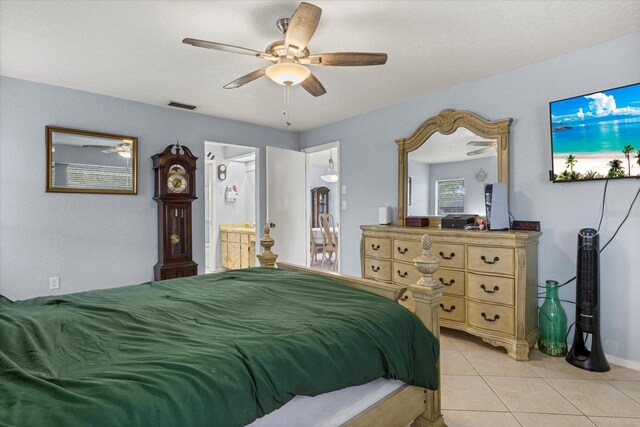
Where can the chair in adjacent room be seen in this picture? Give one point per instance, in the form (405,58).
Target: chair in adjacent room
(315,246)
(329,241)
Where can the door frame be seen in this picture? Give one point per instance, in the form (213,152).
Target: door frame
(213,185)
(315,149)
(214,235)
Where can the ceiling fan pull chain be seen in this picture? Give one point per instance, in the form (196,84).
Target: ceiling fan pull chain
(286,104)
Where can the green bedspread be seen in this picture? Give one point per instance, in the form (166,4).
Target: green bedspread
(213,350)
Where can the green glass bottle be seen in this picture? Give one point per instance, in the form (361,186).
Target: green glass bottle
(552,322)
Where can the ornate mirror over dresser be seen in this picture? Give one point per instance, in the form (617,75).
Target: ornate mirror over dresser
(489,277)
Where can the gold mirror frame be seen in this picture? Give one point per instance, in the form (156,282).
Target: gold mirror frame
(447,122)
(90,134)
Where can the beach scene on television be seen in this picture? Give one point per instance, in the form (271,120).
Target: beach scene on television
(597,136)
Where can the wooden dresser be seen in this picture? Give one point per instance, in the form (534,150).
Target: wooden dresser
(238,247)
(490,277)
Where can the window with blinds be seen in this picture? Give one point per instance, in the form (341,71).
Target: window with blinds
(97,176)
(449,196)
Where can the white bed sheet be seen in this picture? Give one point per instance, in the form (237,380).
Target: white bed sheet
(329,409)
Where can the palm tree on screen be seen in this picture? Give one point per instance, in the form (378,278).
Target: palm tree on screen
(617,170)
(571,161)
(627,153)
(591,174)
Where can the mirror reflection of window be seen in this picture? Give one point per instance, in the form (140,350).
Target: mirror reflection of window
(450,196)
(445,157)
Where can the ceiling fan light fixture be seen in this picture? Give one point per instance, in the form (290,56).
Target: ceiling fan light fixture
(125,154)
(287,73)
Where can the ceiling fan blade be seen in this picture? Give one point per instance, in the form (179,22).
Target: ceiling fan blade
(96,146)
(480,151)
(228,48)
(482,143)
(303,24)
(111,150)
(312,85)
(346,59)
(245,79)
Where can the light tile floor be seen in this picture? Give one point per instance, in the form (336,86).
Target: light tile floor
(482,386)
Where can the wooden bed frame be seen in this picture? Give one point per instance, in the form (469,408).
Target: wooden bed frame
(410,404)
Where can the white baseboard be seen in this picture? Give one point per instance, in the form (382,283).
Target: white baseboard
(631,364)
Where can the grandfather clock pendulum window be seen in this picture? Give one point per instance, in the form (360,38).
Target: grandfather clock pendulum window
(177,229)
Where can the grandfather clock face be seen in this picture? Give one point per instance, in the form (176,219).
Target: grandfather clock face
(177,179)
(177,228)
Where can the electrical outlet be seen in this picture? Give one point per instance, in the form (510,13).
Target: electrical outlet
(54,282)
(344,204)
(344,189)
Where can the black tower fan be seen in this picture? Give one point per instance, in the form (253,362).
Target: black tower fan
(588,305)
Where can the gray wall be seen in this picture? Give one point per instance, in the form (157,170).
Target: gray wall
(420,189)
(369,169)
(95,241)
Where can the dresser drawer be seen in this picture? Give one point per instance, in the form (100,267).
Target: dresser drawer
(449,255)
(491,260)
(489,316)
(405,274)
(452,308)
(377,269)
(406,250)
(223,236)
(453,280)
(234,237)
(244,238)
(377,247)
(490,288)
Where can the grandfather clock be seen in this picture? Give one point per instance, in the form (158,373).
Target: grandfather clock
(175,190)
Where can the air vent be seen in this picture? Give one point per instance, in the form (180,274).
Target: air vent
(181,105)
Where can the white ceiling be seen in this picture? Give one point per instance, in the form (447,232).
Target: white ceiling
(133,49)
(441,148)
(321,158)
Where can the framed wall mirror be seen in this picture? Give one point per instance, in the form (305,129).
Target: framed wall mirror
(80,161)
(448,160)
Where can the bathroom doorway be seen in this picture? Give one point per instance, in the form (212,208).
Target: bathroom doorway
(230,206)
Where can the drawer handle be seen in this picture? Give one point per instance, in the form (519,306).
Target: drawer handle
(403,275)
(375,247)
(449,310)
(449,257)
(375,269)
(495,259)
(495,288)
(447,284)
(402,252)
(484,316)
(404,295)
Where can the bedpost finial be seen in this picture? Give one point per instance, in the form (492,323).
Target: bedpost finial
(426,263)
(267,258)
(426,245)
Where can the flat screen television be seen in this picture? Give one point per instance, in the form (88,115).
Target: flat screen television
(596,136)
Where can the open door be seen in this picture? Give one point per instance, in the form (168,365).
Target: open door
(286,203)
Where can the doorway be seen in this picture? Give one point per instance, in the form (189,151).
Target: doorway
(230,206)
(323,204)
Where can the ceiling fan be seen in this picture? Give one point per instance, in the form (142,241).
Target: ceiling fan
(290,56)
(488,146)
(123,149)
